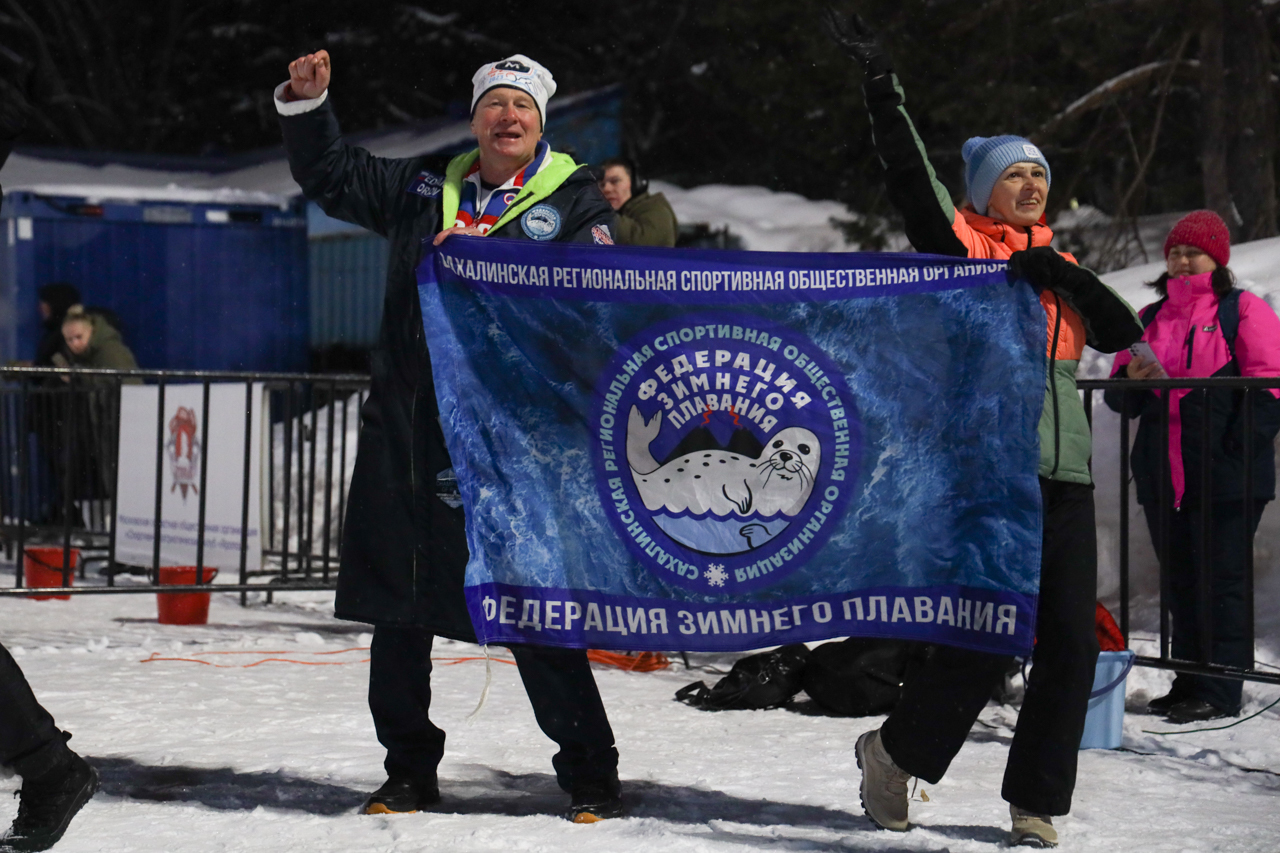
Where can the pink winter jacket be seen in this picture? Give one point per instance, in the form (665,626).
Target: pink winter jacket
(1186,339)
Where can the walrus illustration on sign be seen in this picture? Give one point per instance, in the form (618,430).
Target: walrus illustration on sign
(721,482)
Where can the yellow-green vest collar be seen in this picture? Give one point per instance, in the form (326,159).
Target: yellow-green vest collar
(539,186)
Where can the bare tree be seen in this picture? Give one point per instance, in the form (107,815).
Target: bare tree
(1249,119)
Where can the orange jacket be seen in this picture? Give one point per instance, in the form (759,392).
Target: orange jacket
(985,237)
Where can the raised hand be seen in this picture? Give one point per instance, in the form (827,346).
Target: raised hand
(857,40)
(309,75)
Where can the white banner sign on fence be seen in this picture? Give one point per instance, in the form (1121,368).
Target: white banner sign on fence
(182,442)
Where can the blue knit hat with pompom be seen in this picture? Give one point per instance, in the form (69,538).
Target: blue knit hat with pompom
(985,157)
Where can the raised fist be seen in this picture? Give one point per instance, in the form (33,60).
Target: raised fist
(309,75)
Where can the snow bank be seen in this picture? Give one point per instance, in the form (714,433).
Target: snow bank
(118,182)
(767,221)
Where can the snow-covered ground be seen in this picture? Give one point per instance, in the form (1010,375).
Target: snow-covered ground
(276,756)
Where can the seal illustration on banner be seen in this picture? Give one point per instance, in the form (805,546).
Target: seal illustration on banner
(725,449)
(779,479)
(184,451)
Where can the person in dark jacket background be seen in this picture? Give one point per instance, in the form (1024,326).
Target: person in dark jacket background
(404,550)
(644,218)
(56,782)
(1189,337)
(1007,179)
(55,298)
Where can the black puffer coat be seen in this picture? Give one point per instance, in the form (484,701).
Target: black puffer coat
(404,551)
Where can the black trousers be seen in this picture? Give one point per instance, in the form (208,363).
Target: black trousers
(1232,640)
(942,699)
(29,741)
(561,688)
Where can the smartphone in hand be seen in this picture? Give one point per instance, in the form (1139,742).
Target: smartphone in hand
(1143,350)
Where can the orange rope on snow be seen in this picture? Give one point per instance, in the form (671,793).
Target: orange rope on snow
(446,660)
(642,662)
(452,661)
(196,658)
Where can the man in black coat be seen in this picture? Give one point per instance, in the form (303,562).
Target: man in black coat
(404,551)
(56,782)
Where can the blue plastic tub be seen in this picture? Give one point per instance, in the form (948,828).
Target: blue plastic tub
(1104,724)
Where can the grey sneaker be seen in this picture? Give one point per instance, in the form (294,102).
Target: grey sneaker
(884,785)
(1031,830)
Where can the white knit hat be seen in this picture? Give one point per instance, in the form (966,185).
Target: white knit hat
(515,72)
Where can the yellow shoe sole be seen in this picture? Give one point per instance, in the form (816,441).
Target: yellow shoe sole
(379,808)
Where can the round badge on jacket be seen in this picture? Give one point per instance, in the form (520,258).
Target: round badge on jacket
(541,222)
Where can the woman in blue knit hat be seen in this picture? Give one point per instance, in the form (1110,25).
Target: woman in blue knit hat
(1007,179)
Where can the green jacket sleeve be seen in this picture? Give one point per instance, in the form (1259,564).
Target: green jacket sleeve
(913,186)
(1110,323)
(647,220)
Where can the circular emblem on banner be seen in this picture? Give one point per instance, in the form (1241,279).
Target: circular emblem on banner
(541,222)
(727,450)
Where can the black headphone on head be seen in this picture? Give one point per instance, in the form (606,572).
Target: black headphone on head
(638,184)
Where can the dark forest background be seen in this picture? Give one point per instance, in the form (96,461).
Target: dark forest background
(1142,106)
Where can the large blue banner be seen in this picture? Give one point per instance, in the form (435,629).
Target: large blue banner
(705,450)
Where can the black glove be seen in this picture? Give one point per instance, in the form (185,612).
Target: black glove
(858,41)
(1109,323)
(1040,267)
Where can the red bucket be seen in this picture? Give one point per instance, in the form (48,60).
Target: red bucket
(183,608)
(42,567)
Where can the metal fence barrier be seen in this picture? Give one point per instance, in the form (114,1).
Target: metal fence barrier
(1245,392)
(59,485)
(60,433)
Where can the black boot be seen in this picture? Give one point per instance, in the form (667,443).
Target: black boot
(596,801)
(1162,704)
(399,795)
(47,804)
(1195,711)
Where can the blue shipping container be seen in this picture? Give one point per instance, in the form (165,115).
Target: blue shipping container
(196,285)
(348,283)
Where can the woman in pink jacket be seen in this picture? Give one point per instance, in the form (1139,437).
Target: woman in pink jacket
(1203,326)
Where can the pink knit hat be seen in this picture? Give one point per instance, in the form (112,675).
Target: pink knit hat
(1205,230)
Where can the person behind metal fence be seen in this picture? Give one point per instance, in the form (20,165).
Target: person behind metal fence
(404,550)
(1203,325)
(644,218)
(56,782)
(53,301)
(1007,179)
(93,342)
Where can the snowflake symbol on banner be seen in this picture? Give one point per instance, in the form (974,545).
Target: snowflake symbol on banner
(716,575)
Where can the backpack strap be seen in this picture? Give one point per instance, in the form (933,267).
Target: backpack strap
(1229,319)
(1149,313)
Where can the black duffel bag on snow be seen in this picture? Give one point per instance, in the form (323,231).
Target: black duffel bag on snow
(860,676)
(765,680)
